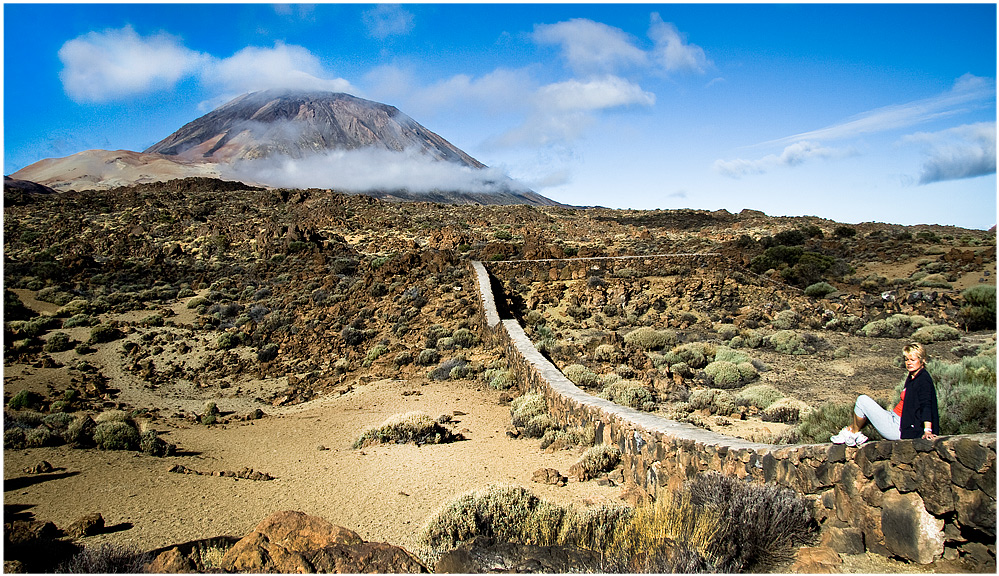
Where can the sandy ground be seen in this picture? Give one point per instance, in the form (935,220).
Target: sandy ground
(385,493)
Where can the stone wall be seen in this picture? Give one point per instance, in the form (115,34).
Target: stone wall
(915,499)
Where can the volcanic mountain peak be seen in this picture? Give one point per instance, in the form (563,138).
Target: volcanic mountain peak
(299,124)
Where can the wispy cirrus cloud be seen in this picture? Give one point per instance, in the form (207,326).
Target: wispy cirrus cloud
(793,155)
(968,91)
(966,151)
(946,158)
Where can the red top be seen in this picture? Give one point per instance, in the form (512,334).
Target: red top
(898,407)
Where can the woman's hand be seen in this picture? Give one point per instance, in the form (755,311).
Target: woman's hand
(928,435)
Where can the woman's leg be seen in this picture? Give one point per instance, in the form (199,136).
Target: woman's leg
(867,410)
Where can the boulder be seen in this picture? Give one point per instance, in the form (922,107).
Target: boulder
(843,540)
(40,468)
(294,542)
(909,530)
(171,561)
(818,560)
(549,476)
(89,525)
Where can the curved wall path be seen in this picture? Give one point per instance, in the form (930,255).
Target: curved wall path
(914,499)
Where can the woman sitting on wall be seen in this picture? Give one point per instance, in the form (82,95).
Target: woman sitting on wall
(915,416)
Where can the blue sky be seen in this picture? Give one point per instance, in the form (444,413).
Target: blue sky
(852,112)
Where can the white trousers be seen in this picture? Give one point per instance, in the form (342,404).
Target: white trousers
(886,422)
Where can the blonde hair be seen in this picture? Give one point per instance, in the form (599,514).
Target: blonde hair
(917,349)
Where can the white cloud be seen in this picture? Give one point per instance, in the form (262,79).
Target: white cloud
(102,66)
(794,155)
(598,94)
(671,50)
(387,20)
(564,110)
(501,90)
(965,151)
(115,64)
(283,66)
(371,169)
(968,91)
(591,47)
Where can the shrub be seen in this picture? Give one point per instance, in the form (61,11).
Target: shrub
(694,354)
(727,331)
(39,437)
(581,375)
(228,340)
(823,422)
(500,379)
(934,281)
(790,342)
(605,353)
(845,231)
(846,323)
(895,326)
(786,320)
(116,435)
(501,513)
(150,443)
(539,425)
(629,393)
(78,320)
(416,427)
(24,399)
(464,338)
(14,438)
(935,333)
(107,558)
(819,290)
(979,308)
(765,524)
(403,358)
(760,395)
(966,393)
(454,369)
(58,342)
(717,401)
(377,351)
(525,407)
(267,353)
(596,460)
(427,357)
(80,431)
(559,439)
(649,338)
(723,374)
(104,333)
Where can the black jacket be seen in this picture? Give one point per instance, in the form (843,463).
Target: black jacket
(919,406)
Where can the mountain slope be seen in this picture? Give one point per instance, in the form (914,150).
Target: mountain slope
(264,124)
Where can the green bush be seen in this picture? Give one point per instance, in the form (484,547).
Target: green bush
(825,421)
(539,425)
(790,342)
(58,342)
(724,374)
(500,379)
(935,333)
(630,393)
(581,375)
(696,355)
(786,320)
(966,393)
(464,338)
(104,333)
(413,427)
(524,408)
(649,338)
(979,308)
(934,281)
(819,290)
(895,326)
(559,439)
(403,358)
(24,399)
(376,352)
(427,357)
(760,395)
(718,401)
(78,320)
(116,435)
(80,431)
(595,461)
(150,443)
(107,558)
(228,340)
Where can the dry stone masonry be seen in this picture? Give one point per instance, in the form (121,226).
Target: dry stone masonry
(914,499)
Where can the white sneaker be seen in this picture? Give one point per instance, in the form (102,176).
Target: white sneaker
(844,437)
(858,440)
